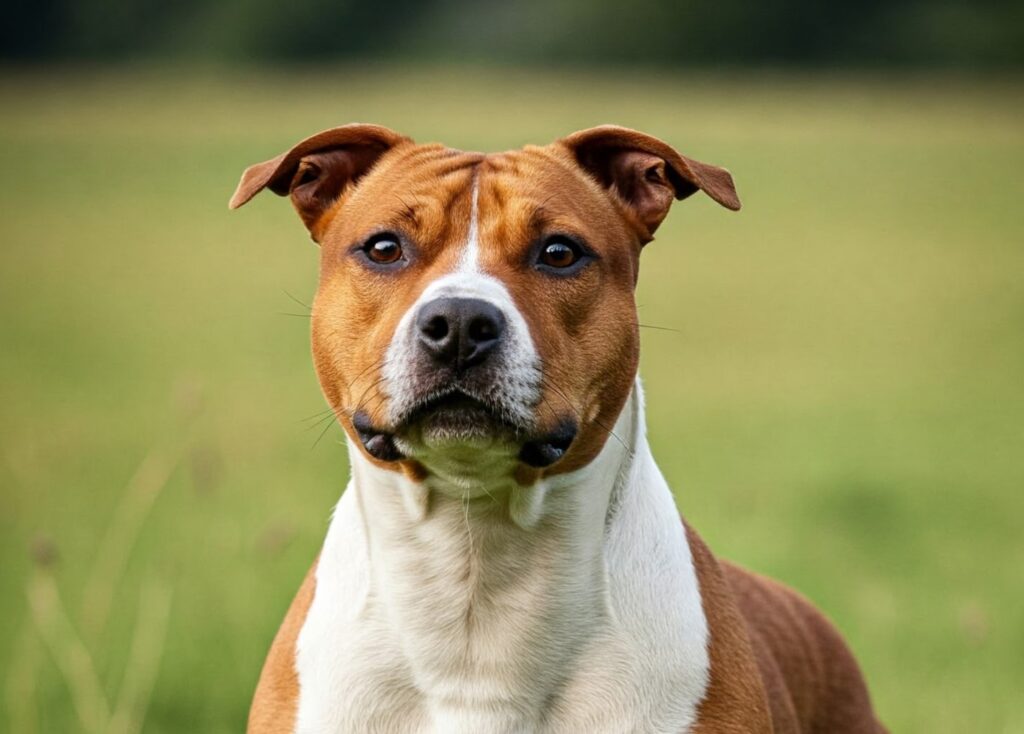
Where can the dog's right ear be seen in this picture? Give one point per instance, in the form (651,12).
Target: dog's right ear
(315,172)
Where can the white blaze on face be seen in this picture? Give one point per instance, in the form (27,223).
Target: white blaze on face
(516,362)
(469,260)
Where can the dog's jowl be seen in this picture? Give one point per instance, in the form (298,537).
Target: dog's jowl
(507,556)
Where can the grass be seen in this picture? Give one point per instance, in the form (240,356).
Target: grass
(841,406)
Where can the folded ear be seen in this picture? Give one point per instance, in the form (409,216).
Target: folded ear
(647,174)
(316,171)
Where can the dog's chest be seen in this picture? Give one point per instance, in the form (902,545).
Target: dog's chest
(365,684)
(543,652)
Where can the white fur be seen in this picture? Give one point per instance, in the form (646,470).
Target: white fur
(469,259)
(572,606)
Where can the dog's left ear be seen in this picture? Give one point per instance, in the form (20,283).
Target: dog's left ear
(315,171)
(646,174)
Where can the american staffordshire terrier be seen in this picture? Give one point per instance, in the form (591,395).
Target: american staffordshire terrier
(507,556)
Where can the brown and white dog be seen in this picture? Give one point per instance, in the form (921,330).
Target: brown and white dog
(507,556)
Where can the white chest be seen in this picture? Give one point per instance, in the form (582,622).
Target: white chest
(428,638)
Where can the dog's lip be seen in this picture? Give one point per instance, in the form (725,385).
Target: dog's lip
(536,450)
(453,400)
(384,443)
(379,444)
(543,451)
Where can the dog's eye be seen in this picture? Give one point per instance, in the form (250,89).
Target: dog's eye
(383,249)
(559,253)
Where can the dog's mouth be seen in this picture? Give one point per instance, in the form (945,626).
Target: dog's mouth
(455,420)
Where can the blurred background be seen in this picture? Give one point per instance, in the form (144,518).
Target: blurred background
(834,381)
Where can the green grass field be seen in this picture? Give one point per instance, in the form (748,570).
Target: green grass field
(840,402)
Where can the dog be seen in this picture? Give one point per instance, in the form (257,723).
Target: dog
(507,556)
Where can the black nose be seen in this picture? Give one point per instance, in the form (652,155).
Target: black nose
(460,332)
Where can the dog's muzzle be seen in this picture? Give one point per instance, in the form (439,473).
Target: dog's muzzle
(460,375)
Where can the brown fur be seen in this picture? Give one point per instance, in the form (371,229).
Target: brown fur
(773,652)
(776,664)
(276,702)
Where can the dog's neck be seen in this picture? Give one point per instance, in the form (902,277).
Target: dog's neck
(506,604)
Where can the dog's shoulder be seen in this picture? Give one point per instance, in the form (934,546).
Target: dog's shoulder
(813,681)
(736,700)
(275,704)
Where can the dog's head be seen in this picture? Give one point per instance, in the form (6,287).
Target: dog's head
(479,308)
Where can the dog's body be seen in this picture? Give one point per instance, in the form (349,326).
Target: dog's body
(507,556)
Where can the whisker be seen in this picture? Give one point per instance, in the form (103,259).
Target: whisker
(380,363)
(333,408)
(304,305)
(329,418)
(374,401)
(319,414)
(322,434)
(373,385)
(659,328)
(545,403)
(332,413)
(608,431)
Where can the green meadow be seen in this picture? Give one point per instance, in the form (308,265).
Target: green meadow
(834,375)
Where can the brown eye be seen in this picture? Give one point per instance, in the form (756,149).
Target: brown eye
(559,254)
(384,249)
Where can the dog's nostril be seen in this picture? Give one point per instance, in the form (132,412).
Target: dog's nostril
(436,328)
(459,332)
(483,329)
